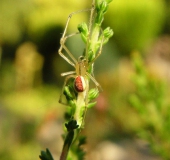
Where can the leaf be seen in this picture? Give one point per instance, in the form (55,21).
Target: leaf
(46,155)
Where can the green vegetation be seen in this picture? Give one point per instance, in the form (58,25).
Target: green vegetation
(150,102)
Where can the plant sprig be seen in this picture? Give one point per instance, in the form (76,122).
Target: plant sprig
(94,38)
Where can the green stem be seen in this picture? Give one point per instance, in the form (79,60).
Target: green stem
(94,38)
(67,145)
(80,107)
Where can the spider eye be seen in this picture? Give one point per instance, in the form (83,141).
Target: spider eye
(79,84)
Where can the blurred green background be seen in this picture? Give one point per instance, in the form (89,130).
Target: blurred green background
(31,119)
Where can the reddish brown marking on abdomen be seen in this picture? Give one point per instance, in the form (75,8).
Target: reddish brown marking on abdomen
(78,84)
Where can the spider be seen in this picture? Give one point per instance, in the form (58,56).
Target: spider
(81,65)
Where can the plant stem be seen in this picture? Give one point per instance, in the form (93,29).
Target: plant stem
(67,145)
(93,36)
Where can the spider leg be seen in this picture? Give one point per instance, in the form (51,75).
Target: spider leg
(64,37)
(65,82)
(90,27)
(94,80)
(69,18)
(69,53)
(67,73)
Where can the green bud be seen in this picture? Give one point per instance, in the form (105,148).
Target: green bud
(107,33)
(92,104)
(101,9)
(67,92)
(72,103)
(83,29)
(93,93)
(91,55)
(69,96)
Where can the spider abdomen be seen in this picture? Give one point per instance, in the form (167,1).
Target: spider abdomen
(79,84)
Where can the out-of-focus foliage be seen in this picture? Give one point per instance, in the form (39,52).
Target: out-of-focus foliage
(135,22)
(34,17)
(13,16)
(49,13)
(167,20)
(149,100)
(26,118)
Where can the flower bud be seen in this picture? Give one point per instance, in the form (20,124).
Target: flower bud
(107,33)
(83,29)
(67,92)
(92,104)
(93,93)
